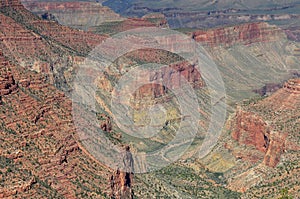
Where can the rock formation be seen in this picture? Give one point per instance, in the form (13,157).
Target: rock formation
(159,19)
(240,34)
(40,156)
(105,123)
(7,81)
(132,23)
(265,135)
(42,45)
(121,181)
(173,77)
(292,86)
(252,130)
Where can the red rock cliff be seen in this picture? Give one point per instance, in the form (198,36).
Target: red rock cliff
(240,34)
(251,130)
(272,138)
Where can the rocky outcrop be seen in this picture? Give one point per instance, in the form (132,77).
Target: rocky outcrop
(275,149)
(105,123)
(172,77)
(240,34)
(121,181)
(264,140)
(251,130)
(292,86)
(272,139)
(7,81)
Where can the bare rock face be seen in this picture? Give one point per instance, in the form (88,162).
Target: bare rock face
(265,135)
(240,34)
(252,130)
(7,81)
(121,182)
(275,149)
(292,86)
(159,82)
(105,123)
(172,76)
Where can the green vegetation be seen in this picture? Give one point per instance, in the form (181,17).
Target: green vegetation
(109,28)
(180,181)
(285,194)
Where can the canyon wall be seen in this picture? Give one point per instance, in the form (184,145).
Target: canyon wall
(240,34)
(40,154)
(264,140)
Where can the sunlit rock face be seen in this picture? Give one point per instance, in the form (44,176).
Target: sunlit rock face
(263,139)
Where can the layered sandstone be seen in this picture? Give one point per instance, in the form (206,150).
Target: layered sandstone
(169,78)
(7,81)
(265,135)
(252,130)
(292,85)
(159,82)
(90,16)
(44,46)
(18,27)
(268,127)
(42,157)
(241,34)
(132,23)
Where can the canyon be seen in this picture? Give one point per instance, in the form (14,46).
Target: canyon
(40,160)
(259,138)
(42,156)
(244,34)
